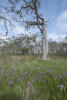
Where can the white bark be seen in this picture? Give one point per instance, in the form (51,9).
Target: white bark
(44,43)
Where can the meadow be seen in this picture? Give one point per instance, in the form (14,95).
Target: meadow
(30,78)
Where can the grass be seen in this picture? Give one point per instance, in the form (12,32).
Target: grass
(33,78)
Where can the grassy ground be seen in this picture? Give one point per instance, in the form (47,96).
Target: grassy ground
(30,78)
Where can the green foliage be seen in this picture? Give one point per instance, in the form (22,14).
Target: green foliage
(25,51)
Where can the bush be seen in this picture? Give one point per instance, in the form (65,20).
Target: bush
(25,51)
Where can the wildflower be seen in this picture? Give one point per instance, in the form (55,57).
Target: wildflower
(33,81)
(64,74)
(50,71)
(11,82)
(29,83)
(2,71)
(22,96)
(5,75)
(61,87)
(14,77)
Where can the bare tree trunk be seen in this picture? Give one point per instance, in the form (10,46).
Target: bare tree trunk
(44,43)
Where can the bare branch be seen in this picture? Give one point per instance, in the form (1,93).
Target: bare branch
(6,27)
(5,19)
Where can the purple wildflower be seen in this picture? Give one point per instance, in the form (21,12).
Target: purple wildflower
(29,83)
(14,77)
(2,70)
(64,74)
(5,75)
(61,87)
(10,82)
(50,71)
(33,81)
(22,96)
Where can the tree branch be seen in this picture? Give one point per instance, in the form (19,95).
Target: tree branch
(5,19)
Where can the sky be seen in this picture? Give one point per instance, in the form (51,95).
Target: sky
(55,11)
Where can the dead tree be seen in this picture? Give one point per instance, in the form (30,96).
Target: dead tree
(32,7)
(40,23)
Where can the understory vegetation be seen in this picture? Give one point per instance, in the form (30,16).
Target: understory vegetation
(30,78)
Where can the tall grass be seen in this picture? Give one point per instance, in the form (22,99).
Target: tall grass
(30,78)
